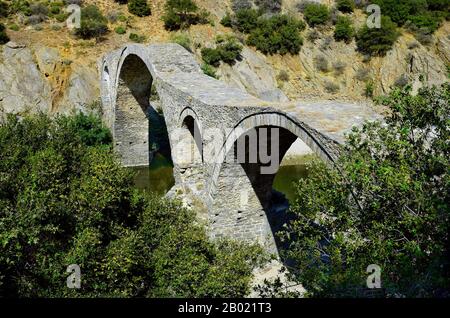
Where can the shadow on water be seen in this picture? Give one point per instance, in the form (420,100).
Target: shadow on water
(157,178)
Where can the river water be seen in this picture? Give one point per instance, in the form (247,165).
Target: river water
(158,178)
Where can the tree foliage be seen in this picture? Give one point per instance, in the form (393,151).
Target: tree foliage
(93,23)
(181,14)
(228,50)
(3,36)
(139,8)
(65,199)
(316,14)
(388,206)
(277,34)
(344,29)
(377,41)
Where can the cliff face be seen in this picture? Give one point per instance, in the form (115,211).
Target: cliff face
(51,71)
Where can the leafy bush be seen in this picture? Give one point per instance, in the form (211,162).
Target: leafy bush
(228,50)
(3,36)
(181,14)
(139,8)
(183,40)
(237,5)
(22,6)
(427,21)
(136,37)
(344,29)
(93,23)
(120,29)
(4,9)
(345,6)
(209,70)
(247,20)
(316,14)
(65,199)
(369,89)
(400,10)
(277,34)
(227,20)
(14,27)
(283,76)
(377,41)
(390,205)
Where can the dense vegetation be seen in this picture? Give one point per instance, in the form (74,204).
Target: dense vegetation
(377,41)
(181,14)
(343,30)
(139,8)
(3,36)
(93,23)
(316,14)
(228,50)
(390,209)
(279,33)
(65,199)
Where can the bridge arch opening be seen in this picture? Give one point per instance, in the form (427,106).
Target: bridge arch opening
(188,152)
(140,131)
(244,202)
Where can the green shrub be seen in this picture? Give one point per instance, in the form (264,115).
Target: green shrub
(3,36)
(247,20)
(400,10)
(20,6)
(369,89)
(211,56)
(428,21)
(316,14)
(183,40)
(228,50)
(387,205)
(278,34)
(283,76)
(181,14)
(344,29)
(139,8)
(209,70)
(120,29)
(93,23)
(136,37)
(345,6)
(65,199)
(14,27)
(4,9)
(227,20)
(377,41)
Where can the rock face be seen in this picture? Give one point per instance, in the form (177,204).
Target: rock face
(41,81)
(22,86)
(254,75)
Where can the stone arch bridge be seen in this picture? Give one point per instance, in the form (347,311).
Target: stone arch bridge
(140,82)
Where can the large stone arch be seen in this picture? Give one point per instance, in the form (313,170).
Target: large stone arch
(243,210)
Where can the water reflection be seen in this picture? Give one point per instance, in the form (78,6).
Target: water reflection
(158,178)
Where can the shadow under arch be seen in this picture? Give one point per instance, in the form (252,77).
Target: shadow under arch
(139,127)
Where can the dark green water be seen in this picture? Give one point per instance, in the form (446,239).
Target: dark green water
(158,178)
(285,178)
